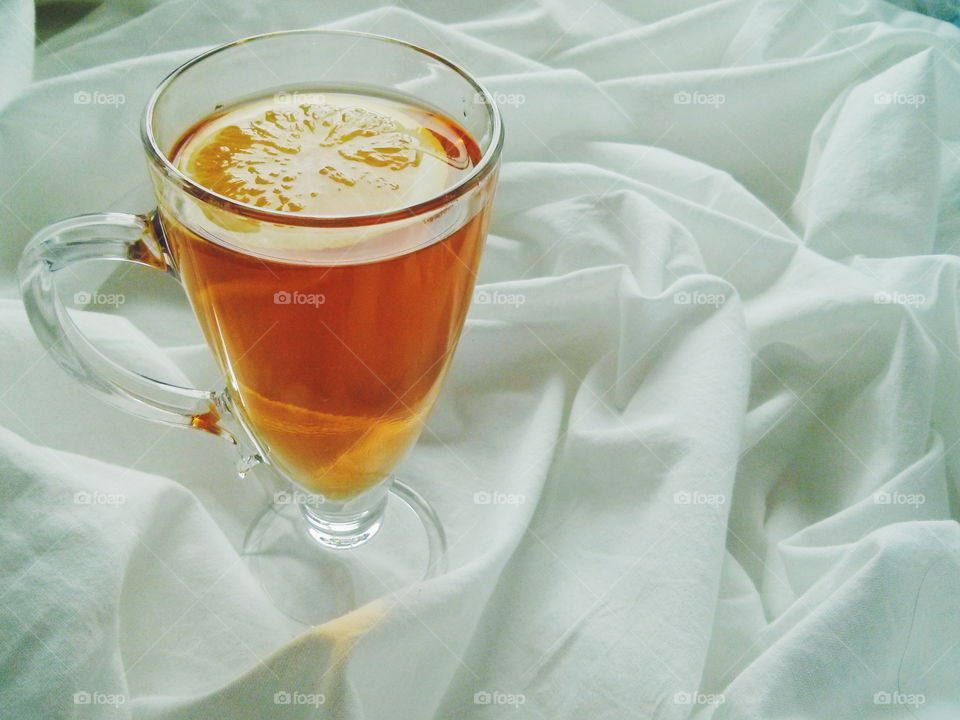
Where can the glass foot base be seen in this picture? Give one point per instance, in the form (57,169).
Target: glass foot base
(312,582)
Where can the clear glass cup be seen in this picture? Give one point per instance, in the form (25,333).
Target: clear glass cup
(305,546)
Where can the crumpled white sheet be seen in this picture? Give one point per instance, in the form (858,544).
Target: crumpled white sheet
(730,396)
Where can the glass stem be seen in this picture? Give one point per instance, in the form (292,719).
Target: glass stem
(345,524)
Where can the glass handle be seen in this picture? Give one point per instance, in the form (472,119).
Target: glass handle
(107,236)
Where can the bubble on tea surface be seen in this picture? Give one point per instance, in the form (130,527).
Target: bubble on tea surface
(346,155)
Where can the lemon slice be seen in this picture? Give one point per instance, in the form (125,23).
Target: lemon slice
(343,155)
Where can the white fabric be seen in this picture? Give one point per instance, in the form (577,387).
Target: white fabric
(730,395)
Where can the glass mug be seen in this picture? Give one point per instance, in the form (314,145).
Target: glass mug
(334,344)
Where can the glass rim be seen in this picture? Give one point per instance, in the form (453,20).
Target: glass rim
(282,217)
